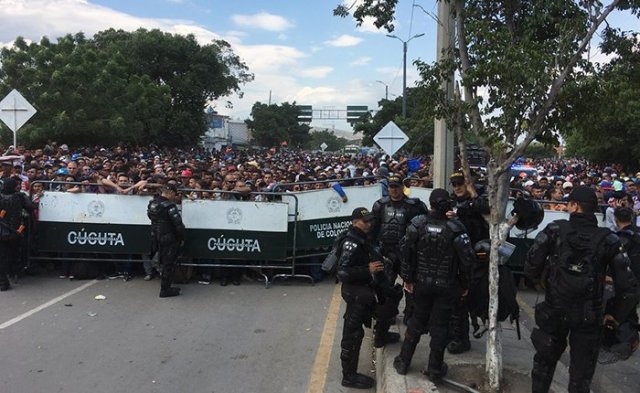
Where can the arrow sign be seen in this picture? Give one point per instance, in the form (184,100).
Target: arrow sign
(324,146)
(390,138)
(15,110)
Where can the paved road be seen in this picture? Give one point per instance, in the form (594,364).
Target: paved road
(211,339)
(619,377)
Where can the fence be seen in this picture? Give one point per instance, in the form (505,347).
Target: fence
(274,234)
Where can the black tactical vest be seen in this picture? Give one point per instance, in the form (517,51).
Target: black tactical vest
(436,265)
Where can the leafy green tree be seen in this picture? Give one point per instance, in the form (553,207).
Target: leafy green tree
(604,120)
(132,87)
(273,124)
(520,55)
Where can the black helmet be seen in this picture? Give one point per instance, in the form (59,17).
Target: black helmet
(530,213)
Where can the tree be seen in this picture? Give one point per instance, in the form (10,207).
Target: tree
(132,87)
(274,124)
(520,54)
(605,114)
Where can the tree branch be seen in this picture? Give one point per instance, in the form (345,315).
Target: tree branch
(556,86)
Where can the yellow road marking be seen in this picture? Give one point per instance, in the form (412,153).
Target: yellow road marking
(321,363)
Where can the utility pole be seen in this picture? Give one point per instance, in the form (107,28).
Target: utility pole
(386,90)
(443,140)
(404,70)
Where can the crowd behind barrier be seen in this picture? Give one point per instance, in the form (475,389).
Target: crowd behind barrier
(322,180)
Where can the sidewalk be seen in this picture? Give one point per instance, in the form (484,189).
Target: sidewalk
(467,368)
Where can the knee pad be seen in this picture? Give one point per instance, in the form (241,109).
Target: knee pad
(547,346)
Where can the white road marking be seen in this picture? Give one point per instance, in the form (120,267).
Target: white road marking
(45,305)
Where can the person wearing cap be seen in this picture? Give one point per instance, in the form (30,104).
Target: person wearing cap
(569,259)
(436,267)
(356,270)
(392,215)
(167,235)
(470,210)
(12,203)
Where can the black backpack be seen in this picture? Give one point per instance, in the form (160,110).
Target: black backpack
(330,263)
(574,273)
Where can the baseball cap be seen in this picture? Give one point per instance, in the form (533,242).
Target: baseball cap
(394,181)
(529,183)
(186,173)
(567,184)
(456,178)
(361,213)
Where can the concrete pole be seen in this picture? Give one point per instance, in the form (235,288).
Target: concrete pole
(404,79)
(443,139)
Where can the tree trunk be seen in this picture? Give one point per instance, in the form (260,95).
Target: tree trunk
(499,230)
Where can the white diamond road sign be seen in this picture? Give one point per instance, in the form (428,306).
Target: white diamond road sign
(391,138)
(324,146)
(15,110)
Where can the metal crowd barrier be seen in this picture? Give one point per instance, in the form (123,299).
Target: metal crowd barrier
(292,252)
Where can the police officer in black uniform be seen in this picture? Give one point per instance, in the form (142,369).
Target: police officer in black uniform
(570,259)
(167,235)
(436,267)
(12,203)
(356,270)
(392,215)
(470,208)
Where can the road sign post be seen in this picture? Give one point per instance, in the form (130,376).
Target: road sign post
(15,110)
(391,138)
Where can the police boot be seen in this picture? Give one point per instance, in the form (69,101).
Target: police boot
(403,360)
(5,285)
(541,377)
(437,368)
(166,290)
(350,376)
(382,335)
(459,345)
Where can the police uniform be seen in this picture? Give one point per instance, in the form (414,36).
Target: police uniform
(167,233)
(357,292)
(570,259)
(438,261)
(470,212)
(389,226)
(12,203)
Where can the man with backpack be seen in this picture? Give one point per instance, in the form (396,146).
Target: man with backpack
(569,259)
(436,267)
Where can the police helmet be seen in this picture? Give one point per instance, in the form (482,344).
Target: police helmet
(530,213)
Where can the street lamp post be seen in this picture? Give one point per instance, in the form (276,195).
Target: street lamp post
(404,70)
(386,90)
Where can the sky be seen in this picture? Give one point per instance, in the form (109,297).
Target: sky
(297,50)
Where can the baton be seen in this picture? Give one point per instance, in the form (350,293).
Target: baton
(460,386)
(518,328)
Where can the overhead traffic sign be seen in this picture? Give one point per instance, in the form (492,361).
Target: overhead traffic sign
(324,146)
(390,138)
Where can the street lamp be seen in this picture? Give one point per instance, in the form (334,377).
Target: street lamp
(404,70)
(386,90)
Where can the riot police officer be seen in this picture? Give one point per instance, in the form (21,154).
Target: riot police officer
(356,270)
(470,208)
(392,215)
(12,202)
(437,263)
(569,259)
(167,235)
